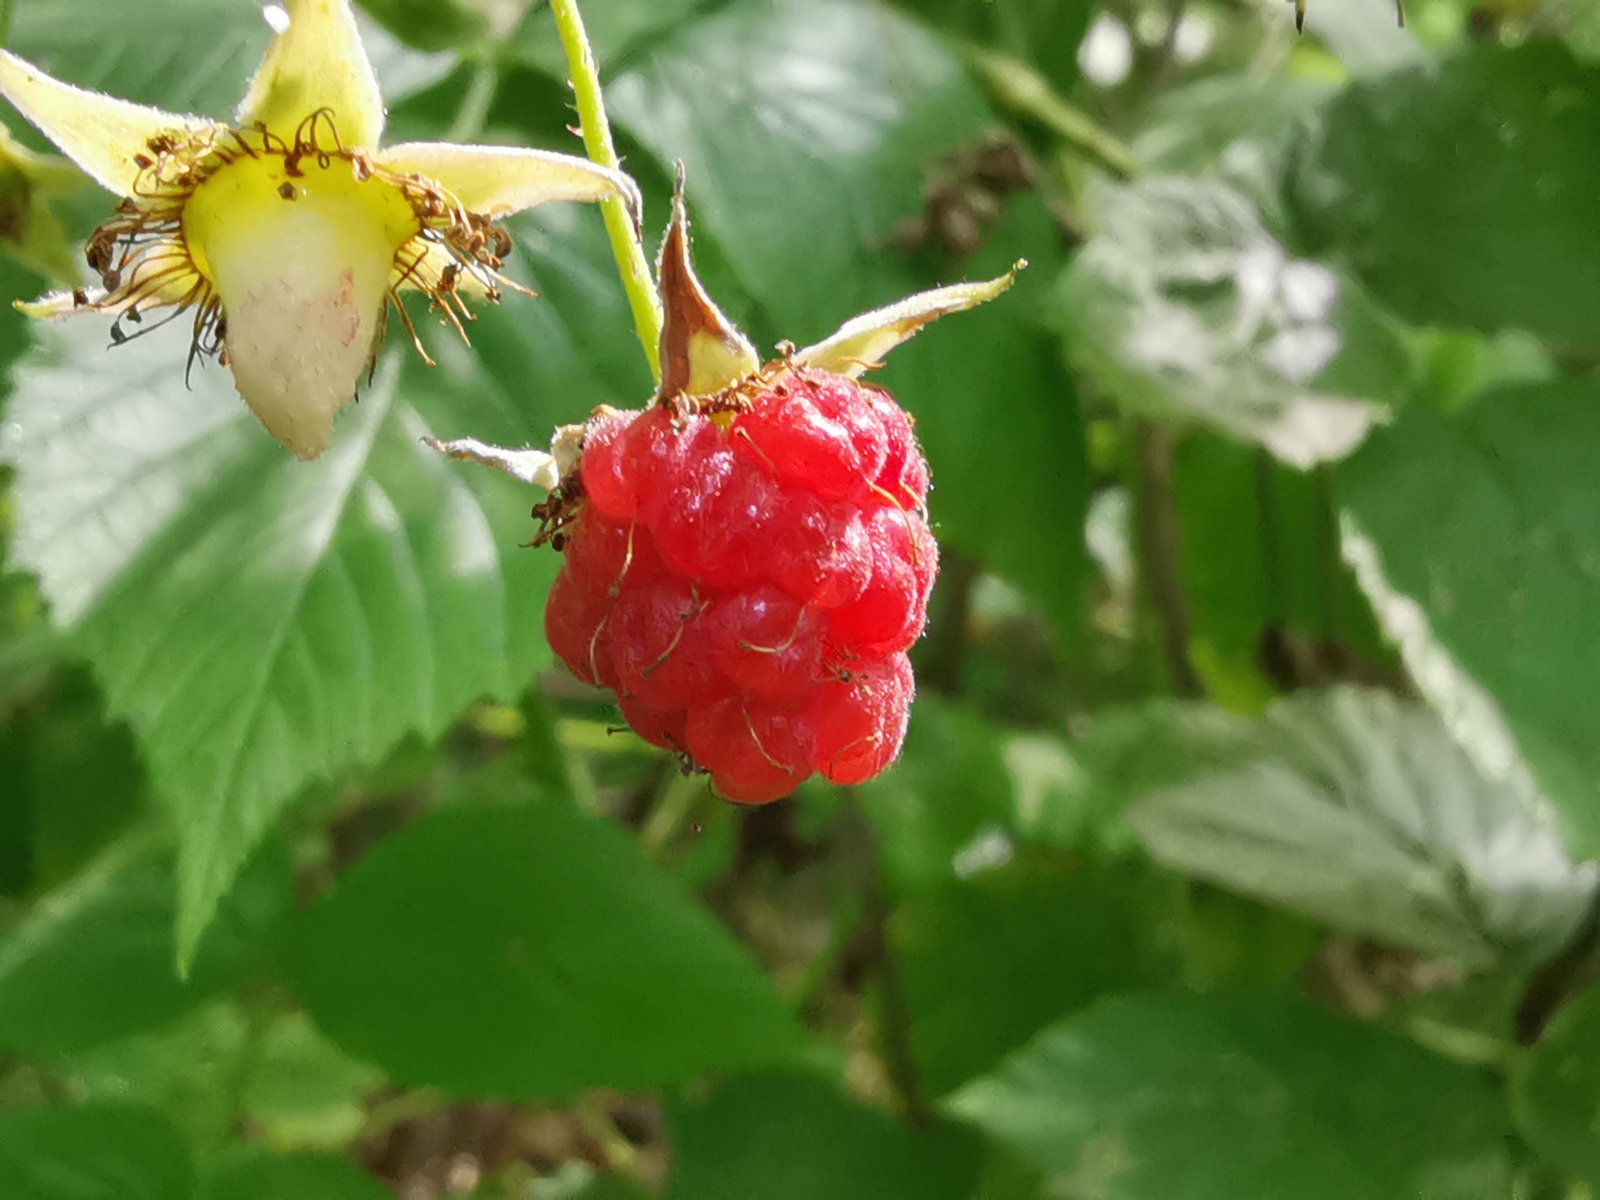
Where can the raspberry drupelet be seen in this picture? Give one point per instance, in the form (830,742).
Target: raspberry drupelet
(747,573)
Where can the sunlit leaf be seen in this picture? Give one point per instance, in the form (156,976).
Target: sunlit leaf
(1487,525)
(261,623)
(1184,306)
(1146,1097)
(1363,812)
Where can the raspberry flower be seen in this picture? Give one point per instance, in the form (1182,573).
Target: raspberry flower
(288,233)
(747,560)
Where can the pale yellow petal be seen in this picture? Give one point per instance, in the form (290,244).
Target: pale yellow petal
(100,133)
(862,342)
(496,180)
(317,63)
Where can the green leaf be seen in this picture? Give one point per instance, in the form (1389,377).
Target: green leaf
(1489,524)
(1123,755)
(988,962)
(402,72)
(948,794)
(93,960)
(149,53)
(792,1138)
(1007,1177)
(1188,128)
(222,1065)
(612,1187)
(1230,942)
(616,29)
(261,622)
(1045,33)
(1147,1097)
(1236,558)
(251,1174)
(191,1070)
(999,420)
(181,55)
(303,1091)
(1260,565)
(805,126)
(1462,193)
(1582,29)
(1363,812)
(1556,1092)
(16,815)
(74,782)
(97,1152)
(432,24)
(587,966)
(1183,306)
(577,1181)
(804,175)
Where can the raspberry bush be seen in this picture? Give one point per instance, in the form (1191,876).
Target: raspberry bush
(747,573)
(1240,839)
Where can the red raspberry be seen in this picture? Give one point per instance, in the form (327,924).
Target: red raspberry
(747,575)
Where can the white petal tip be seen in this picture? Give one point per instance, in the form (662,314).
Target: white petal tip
(47,307)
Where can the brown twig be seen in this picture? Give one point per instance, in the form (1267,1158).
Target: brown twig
(1563,977)
(1160,553)
(894,1010)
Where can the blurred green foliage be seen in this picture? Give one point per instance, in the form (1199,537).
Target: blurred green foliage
(1241,843)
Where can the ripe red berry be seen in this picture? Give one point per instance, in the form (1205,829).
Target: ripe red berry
(747,574)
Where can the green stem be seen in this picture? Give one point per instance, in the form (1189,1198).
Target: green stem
(626,247)
(895,1008)
(474,111)
(5,22)
(1022,89)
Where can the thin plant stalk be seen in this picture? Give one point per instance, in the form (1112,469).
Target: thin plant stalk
(632,262)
